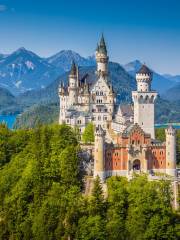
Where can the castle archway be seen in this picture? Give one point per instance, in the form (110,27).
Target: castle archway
(136,165)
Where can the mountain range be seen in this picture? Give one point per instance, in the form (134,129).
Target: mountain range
(24,70)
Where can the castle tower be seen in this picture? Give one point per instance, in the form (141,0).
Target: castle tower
(171,151)
(99,153)
(144,99)
(102,57)
(86,97)
(73,85)
(63,103)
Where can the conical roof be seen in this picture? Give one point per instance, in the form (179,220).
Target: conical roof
(97,48)
(102,45)
(73,68)
(144,70)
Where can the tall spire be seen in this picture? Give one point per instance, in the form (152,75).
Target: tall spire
(102,41)
(97,48)
(102,57)
(102,45)
(73,68)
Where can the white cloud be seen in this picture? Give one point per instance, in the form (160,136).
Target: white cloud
(3,8)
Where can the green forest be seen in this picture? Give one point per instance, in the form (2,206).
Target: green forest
(42,194)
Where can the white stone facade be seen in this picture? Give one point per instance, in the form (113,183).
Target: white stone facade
(82,102)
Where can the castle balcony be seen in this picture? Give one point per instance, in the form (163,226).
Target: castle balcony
(100,104)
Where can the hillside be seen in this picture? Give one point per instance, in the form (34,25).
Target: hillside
(6,97)
(174,78)
(166,111)
(173,94)
(37,114)
(8,102)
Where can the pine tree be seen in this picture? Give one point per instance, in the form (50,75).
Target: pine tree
(88,134)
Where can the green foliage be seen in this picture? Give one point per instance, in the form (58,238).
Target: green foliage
(97,202)
(92,223)
(91,228)
(88,134)
(160,134)
(11,143)
(117,208)
(41,198)
(41,180)
(150,214)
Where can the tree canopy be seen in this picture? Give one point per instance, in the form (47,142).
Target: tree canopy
(88,134)
(41,194)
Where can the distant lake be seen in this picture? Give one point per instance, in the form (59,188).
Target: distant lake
(175,125)
(8,119)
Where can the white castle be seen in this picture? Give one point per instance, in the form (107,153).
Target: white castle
(82,102)
(124,135)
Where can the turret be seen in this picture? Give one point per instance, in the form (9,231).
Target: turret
(86,96)
(99,165)
(144,79)
(144,99)
(61,89)
(171,151)
(63,102)
(73,85)
(102,57)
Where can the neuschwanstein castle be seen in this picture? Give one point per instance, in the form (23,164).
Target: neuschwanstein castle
(124,135)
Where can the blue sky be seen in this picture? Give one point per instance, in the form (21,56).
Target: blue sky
(133,29)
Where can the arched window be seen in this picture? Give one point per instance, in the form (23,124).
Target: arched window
(141,99)
(152,99)
(147,99)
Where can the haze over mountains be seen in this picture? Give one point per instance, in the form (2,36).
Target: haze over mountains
(175,78)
